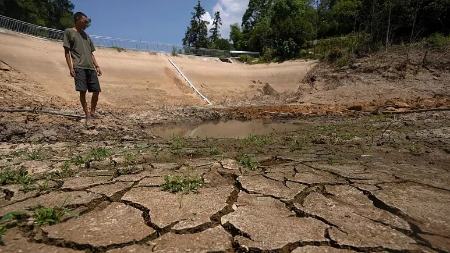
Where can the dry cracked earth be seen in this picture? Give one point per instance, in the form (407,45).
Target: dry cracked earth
(380,189)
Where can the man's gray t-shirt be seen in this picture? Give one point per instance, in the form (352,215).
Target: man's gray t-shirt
(81,48)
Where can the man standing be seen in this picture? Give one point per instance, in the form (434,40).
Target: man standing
(78,49)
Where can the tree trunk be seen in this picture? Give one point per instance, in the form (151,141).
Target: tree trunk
(389,25)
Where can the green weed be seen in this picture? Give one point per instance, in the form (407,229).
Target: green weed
(48,215)
(36,155)
(20,176)
(248,162)
(183,184)
(11,216)
(177,143)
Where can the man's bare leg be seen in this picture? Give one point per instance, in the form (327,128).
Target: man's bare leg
(84,104)
(94,101)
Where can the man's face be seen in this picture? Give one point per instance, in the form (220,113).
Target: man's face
(83,22)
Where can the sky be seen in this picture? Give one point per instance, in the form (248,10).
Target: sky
(163,21)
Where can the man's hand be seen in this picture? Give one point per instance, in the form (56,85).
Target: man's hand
(72,72)
(99,71)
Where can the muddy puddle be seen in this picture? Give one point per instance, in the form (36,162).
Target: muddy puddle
(225,129)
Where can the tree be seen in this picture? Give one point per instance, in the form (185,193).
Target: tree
(51,13)
(236,37)
(197,33)
(215,33)
(346,12)
(291,26)
(257,10)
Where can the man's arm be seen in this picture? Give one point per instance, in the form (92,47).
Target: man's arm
(69,61)
(97,67)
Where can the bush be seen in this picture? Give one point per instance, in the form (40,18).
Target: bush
(437,40)
(334,55)
(174,51)
(246,58)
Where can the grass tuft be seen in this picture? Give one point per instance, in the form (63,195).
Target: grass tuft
(183,184)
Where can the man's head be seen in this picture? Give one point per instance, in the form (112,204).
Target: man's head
(81,20)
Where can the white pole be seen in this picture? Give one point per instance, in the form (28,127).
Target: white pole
(190,84)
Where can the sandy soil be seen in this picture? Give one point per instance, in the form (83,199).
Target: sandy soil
(144,80)
(224,83)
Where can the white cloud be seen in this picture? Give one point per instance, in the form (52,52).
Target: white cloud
(231,12)
(207,17)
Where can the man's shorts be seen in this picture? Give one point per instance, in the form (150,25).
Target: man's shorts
(86,80)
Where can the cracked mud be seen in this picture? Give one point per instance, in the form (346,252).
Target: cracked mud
(284,196)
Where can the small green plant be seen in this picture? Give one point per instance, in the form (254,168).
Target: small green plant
(48,215)
(20,176)
(248,162)
(64,172)
(11,216)
(3,230)
(213,151)
(99,154)
(183,184)
(257,141)
(18,153)
(130,158)
(177,143)
(78,160)
(296,144)
(44,186)
(36,155)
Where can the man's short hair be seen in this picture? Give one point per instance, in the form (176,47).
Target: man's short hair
(77,16)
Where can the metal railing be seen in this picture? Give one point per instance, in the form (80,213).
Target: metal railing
(110,42)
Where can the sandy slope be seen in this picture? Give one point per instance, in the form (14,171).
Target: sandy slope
(140,80)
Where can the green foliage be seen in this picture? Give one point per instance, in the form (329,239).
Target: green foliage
(51,13)
(11,216)
(130,158)
(248,162)
(257,141)
(66,171)
(296,144)
(215,33)
(95,154)
(20,176)
(197,32)
(183,184)
(177,143)
(285,28)
(174,51)
(221,44)
(99,154)
(437,40)
(245,58)
(236,37)
(214,151)
(79,160)
(49,216)
(36,155)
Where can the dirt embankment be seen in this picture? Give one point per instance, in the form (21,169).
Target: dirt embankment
(395,79)
(141,81)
